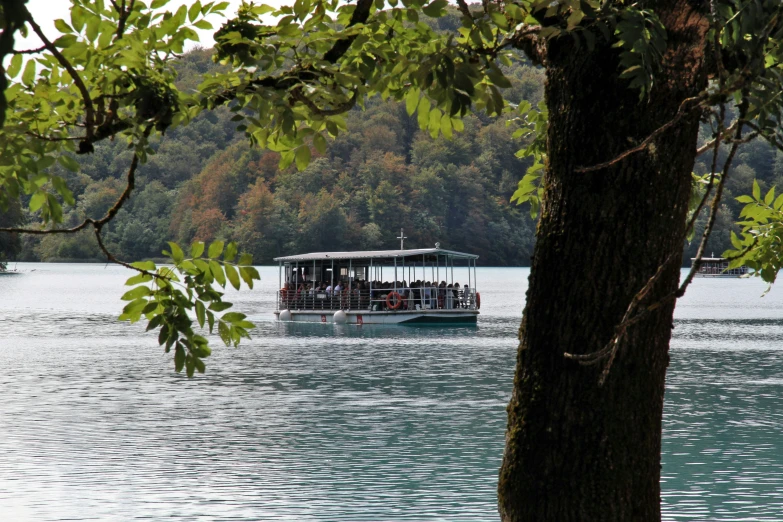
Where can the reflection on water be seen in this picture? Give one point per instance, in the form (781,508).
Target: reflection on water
(321,422)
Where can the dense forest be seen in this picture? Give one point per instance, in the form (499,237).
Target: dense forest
(206,182)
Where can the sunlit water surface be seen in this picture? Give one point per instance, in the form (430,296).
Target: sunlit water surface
(318,422)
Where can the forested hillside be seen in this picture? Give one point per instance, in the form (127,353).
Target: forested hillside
(206,182)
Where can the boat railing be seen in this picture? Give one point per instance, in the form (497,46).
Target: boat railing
(722,269)
(378,300)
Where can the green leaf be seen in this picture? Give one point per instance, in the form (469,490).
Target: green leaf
(231,252)
(138,279)
(424,112)
(445,126)
(219,306)
(139,291)
(233,276)
(770,196)
(62,26)
(319,142)
(499,19)
(217,272)
(196,249)
(201,313)
(412,101)
(194,11)
(249,274)
(435,9)
(157,4)
(69,163)
(179,358)
(28,76)
(756,190)
(245,259)
(149,266)
(154,323)
(215,249)
(233,317)
(199,364)
(224,332)
(176,252)
(77,18)
(37,201)
(15,66)
(302,157)
(135,307)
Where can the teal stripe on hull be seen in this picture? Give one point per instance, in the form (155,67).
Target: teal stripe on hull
(430,319)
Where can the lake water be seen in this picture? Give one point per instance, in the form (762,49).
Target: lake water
(320,422)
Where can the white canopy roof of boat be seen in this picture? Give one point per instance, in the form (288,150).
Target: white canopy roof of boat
(375,254)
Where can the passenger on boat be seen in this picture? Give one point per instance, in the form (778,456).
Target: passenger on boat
(284,294)
(449,297)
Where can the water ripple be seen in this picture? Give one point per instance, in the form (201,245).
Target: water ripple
(318,422)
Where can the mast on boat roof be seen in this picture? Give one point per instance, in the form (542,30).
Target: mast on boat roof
(402,239)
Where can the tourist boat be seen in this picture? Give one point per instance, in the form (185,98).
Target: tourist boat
(378,287)
(718,267)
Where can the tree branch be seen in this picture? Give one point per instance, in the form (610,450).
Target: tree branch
(609,351)
(681,112)
(298,95)
(300,75)
(743,109)
(359,16)
(89,110)
(96,223)
(463,8)
(30,51)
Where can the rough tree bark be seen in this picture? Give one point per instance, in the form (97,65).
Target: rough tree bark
(576,451)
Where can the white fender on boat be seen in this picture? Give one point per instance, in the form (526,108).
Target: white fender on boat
(285,315)
(340,317)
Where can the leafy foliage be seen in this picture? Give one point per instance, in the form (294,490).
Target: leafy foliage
(759,245)
(532,127)
(164,296)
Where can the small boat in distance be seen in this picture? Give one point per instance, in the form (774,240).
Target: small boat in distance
(4,270)
(378,287)
(718,267)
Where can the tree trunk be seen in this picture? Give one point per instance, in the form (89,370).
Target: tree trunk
(576,450)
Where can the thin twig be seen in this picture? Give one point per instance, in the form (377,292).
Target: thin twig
(51,138)
(710,144)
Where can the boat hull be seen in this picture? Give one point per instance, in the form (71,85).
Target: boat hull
(401,317)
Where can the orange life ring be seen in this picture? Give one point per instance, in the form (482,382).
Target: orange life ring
(478,301)
(397,301)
